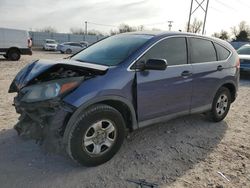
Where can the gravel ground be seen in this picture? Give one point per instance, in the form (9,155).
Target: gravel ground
(185,152)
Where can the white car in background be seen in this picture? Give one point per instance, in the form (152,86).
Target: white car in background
(50,44)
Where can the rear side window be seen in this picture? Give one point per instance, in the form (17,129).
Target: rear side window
(222,52)
(173,50)
(202,51)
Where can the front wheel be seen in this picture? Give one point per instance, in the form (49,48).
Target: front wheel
(221,105)
(96,135)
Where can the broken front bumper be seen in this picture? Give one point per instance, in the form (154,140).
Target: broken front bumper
(43,121)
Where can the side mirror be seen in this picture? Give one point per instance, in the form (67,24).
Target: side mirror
(156,64)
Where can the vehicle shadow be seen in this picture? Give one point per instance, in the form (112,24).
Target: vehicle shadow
(160,153)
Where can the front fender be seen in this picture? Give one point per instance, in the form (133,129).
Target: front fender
(123,100)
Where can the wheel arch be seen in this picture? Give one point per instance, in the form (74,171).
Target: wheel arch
(121,104)
(13,48)
(232,88)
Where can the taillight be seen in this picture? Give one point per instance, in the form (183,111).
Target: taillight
(29,43)
(238,63)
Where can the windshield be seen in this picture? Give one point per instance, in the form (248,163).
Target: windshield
(113,50)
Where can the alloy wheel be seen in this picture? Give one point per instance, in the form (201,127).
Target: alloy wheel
(222,104)
(99,138)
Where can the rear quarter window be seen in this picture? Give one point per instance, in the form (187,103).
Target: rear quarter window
(202,50)
(222,52)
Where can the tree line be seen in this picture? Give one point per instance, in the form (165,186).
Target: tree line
(241,32)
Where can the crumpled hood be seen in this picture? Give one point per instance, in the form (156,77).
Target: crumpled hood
(36,68)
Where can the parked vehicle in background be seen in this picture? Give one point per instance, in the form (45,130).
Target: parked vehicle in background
(70,47)
(50,44)
(14,43)
(86,104)
(244,54)
(84,43)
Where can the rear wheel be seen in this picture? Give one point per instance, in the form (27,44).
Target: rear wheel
(5,56)
(221,105)
(68,51)
(96,135)
(14,55)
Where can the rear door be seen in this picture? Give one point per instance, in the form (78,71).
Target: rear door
(208,72)
(161,93)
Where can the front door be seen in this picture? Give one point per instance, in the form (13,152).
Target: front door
(168,92)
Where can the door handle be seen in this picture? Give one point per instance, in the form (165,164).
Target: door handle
(219,68)
(186,74)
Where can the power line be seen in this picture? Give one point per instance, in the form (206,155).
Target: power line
(243,3)
(226,5)
(108,25)
(151,24)
(215,9)
(105,25)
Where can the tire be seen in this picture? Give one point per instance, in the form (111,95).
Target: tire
(86,142)
(68,51)
(221,105)
(62,52)
(14,55)
(5,56)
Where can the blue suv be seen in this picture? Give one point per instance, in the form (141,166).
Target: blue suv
(86,104)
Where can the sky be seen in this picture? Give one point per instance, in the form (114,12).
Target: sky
(65,14)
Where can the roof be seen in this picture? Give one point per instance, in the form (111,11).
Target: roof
(162,34)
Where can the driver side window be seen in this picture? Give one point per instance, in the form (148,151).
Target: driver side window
(174,50)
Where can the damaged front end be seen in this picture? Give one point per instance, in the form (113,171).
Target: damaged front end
(41,87)
(44,122)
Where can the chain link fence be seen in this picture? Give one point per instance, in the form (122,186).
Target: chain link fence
(38,38)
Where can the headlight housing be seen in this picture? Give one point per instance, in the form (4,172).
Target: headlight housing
(50,90)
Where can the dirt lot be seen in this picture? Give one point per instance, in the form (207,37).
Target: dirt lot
(186,152)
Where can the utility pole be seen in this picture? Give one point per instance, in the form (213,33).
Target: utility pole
(190,14)
(205,18)
(170,25)
(192,11)
(86,27)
